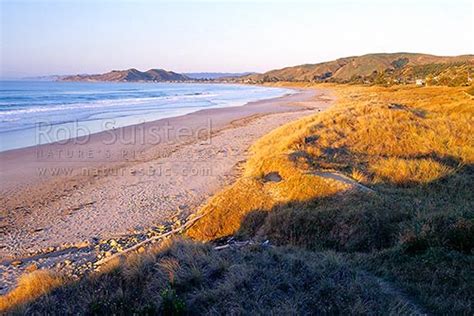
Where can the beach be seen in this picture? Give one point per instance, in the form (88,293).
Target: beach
(61,196)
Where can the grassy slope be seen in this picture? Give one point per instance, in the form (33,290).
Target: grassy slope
(405,66)
(181,277)
(412,146)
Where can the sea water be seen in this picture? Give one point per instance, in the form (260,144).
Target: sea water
(30,107)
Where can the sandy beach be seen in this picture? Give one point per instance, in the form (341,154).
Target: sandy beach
(57,196)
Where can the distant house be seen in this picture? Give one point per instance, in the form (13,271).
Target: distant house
(420,82)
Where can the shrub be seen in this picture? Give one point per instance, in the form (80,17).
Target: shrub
(171,303)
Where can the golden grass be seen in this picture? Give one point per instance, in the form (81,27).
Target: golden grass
(402,171)
(30,286)
(252,191)
(398,135)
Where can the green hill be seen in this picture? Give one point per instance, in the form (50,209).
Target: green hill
(378,68)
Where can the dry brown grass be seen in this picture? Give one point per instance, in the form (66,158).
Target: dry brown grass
(399,122)
(30,286)
(253,191)
(402,171)
(399,136)
(413,146)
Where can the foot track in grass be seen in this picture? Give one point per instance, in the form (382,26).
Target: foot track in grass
(410,307)
(345,179)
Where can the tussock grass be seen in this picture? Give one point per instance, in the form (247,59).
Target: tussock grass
(30,286)
(470,91)
(408,171)
(182,277)
(413,146)
(372,131)
(271,154)
(395,136)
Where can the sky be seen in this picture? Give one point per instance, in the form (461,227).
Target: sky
(46,37)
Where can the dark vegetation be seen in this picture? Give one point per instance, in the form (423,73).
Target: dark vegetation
(421,238)
(183,277)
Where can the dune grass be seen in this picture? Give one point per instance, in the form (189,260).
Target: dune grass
(412,146)
(181,277)
(255,190)
(30,287)
(403,246)
(380,136)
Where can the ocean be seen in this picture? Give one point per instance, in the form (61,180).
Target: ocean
(27,106)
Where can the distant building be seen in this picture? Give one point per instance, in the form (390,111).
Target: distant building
(420,82)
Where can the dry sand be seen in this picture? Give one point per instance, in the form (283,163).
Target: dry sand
(57,195)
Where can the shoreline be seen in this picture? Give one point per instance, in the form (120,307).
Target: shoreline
(55,212)
(14,161)
(76,127)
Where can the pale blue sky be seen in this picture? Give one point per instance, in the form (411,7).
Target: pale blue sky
(65,37)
